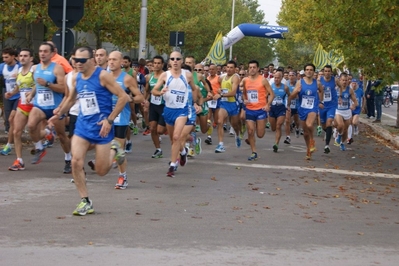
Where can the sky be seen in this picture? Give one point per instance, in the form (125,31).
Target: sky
(271,8)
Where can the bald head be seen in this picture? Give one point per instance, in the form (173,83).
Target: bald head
(116,54)
(175,60)
(101,57)
(115,61)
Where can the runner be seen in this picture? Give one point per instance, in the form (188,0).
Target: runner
(343,113)
(256,93)
(294,110)
(94,87)
(213,78)
(310,92)
(356,113)
(9,71)
(102,58)
(175,94)
(24,86)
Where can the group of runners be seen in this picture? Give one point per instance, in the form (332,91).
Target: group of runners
(97,96)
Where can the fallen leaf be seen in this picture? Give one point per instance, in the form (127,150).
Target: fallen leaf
(266,207)
(213,178)
(196,217)
(360,233)
(277,188)
(142,181)
(90,243)
(240,221)
(26,220)
(250,184)
(203,204)
(236,208)
(255,188)
(137,213)
(61,217)
(238,168)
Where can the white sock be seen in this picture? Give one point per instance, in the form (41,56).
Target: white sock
(20,160)
(39,145)
(350,132)
(183,152)
(68,156)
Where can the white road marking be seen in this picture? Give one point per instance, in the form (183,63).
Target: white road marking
(390,116)
(306,169)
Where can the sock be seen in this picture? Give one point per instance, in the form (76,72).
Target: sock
(8,145)
(39,145)
(183,152)
(123,174)
(221,143)
(349,132)
(328,135)
(20,160)
(87,199)
(68,156)
(159,149)
(173,164)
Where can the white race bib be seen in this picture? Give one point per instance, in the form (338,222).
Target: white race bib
(343,104)
(293,104)
(178,97)
(307,102)
(327,95)
(212,104)
(88,103)
(252,96)
(157,100)
(277,101)
(23,92)
(45,98)
(224,91)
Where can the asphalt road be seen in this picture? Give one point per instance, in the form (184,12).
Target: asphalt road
(220,209)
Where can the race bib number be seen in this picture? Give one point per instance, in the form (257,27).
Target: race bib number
(327,95)
(224,91)
(23,95)
(178,98)
(277,101)
(212,104)
(10,84)
(88,103)
(45,98)
(157,100)
(293,104)
(343,104)
(307,102)
(252,96)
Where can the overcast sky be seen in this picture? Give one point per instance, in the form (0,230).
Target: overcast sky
(271,8)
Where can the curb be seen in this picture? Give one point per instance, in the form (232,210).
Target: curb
(380,131)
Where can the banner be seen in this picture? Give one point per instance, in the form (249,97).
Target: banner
(217,54)
(322,58)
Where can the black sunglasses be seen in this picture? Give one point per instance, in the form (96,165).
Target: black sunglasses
(198,69)
(81,60)
(175,58)
(242,75)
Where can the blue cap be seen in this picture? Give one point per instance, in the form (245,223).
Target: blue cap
(354,80)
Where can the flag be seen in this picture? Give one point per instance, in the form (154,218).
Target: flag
(217,54)
(322,58)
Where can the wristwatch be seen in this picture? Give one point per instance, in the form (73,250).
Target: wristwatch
(110,121)
(47,84)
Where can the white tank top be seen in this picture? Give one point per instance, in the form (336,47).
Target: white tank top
(75,109)
(177,94)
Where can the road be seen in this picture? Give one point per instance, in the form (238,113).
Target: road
(220,209)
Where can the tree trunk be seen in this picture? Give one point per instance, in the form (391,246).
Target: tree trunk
(397,112)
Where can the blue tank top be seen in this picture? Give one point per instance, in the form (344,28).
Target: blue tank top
(95,104)
(330,93)
(279,94)
(190,103)
(294,103)
(45,97)
(124,117)
(343,99)
(308,97)
(359,96)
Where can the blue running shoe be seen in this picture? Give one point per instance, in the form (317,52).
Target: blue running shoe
(220,149)
(342,147)
(253,157)
(338,139)
(6,150)
(238,142)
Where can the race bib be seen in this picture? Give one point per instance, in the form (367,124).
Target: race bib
(307,102)
(252,96)
(88,103)
(23,94)
(224,91)
(157,100)
(178,97)
(212,104)
(277,101)
(45,98)
(293,104)
(327,95)
(117,119)
(343,104)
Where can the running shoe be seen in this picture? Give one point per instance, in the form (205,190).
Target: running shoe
(67,167)
(131,125)
(220,149)
(350,141)
(135,130)
(312,145)
(157,154)
(356,130)
(39,154)
(231,132)
(92,164)
(253,157)
(198,148)
(171,171)
(119,152)
(267,125)
(6,150)
(301,132)
(297,132)
(238,142)
(342,147)
(275,147)
(50,138)
(208,140)
(224,127)
(308,155)
(191,152)
(287,140)
(319,130)
(128,147)
(197,128)
(84,208)
(46,144)
(17,165)
(338,139)
(122,182)
(326,149)
(147,132)
(183,158)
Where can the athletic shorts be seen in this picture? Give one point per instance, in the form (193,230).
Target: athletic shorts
(303,112)
(171,114)
(72,124)
(205,109)
(346,114)
(356,112)
(326,113)
(26,113)
(94,140)
(120,132)
(47,112)
(277,111)
(191,118)
(230,107)
(294,112)
(155,114)
(255,115)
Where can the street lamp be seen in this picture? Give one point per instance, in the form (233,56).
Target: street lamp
(232,25)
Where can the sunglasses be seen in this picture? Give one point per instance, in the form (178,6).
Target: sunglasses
(198,69)
(81,60)
(175,59)
(242,75)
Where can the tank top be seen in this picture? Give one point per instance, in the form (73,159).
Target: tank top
(308,97)
(203,91)
(215,83)
(123,117)
(279,94)
(359,96)
(330,93)
(294,103)
(157,100)
(177,94)
(95,103)
(25,84)
(10,74)
(343,99)
(227,86)
(45,97)
(256,93)
(76,107)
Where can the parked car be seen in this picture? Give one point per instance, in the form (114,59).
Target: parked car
(395,90)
